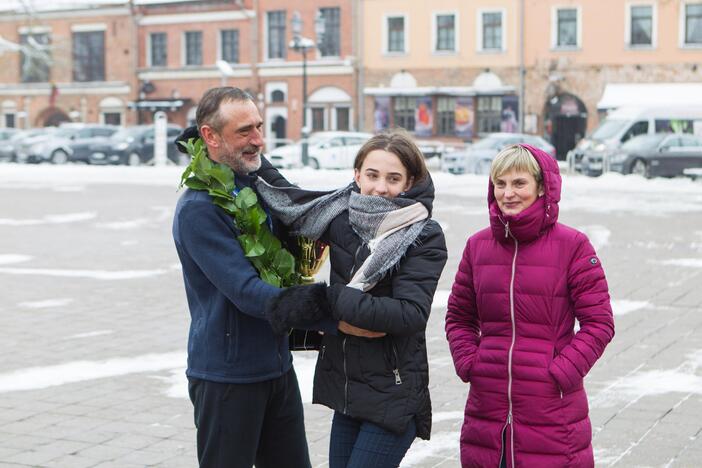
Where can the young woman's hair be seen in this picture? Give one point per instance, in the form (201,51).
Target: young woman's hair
(399,143)
(518,158)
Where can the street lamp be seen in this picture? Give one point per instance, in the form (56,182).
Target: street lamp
(302,45)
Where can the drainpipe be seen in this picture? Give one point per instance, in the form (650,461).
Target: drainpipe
(522,70)
(356,18)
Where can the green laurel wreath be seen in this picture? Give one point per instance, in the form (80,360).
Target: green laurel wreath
(274,263)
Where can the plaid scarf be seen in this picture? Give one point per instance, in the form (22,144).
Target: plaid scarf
(388,226)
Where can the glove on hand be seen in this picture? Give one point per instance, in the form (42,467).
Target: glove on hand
(298,306)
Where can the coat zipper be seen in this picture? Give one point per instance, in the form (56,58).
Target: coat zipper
(396,370)
(511,347)
(346,378)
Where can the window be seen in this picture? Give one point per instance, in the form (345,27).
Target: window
(317,119)
(639,128)
(112,118)
(404,112)
(159,49)
(10,120)
(330,44)
(396,34)
(230,45)
(489,114)
(276,35)
(567,27)
(89,56)
(277,96)
(693,24)
(446,114)
(35,58)
(342,118)
(641,25)
(673,126)
(193,48)
(445,33)
(491,30)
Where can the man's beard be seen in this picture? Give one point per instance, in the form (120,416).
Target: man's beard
(235,159)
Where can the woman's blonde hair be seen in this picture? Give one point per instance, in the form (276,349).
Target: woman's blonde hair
(518,158)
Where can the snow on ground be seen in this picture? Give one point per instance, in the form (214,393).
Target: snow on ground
(6,259)
(46,304)
(440,299)
(685,262)
(49,219)
(89,334)
(623,307)
(34,378)
(639,383)
(93,274)
(440,444)
(598,235)
(606,194)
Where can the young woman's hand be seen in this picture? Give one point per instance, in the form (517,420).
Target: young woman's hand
(349,329)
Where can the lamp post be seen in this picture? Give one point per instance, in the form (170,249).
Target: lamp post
(301,45)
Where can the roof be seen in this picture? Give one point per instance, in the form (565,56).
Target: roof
(650,94)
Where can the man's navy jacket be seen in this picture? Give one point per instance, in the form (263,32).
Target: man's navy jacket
(230,341)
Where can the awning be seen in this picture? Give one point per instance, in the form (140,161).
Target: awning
(437,90)
(159,104)
(650,94)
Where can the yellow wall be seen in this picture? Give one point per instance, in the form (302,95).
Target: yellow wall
(419,15)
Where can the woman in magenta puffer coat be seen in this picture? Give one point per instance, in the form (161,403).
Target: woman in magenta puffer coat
(520,286)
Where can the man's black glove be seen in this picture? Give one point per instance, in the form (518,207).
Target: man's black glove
(298,306)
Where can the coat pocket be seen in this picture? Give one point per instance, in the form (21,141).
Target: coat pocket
(231,337)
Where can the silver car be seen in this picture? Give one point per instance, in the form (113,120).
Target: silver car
(477,159)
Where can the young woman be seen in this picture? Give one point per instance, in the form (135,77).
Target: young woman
(386,258)
(520,286)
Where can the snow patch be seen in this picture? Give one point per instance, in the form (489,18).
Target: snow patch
(304,363)
(177,384)
(89,334)
(441,298)
(684,262)
(92,274)
(47,304)
(6,259)
(49,219)
(447,416)
(623,307)
(440,444)
(123,225)
(70,188)
(598,235)
(34,378)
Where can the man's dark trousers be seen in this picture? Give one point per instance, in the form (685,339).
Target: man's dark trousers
(239,425)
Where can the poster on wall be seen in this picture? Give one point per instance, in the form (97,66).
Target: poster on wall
(381,115)
(423,117)
(509,123)
(464,117)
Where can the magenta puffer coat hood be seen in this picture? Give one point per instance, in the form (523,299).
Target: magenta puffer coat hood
(520,286)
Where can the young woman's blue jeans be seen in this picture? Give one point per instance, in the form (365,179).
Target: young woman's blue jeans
(360,444)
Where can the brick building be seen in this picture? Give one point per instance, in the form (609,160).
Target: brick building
(119,61)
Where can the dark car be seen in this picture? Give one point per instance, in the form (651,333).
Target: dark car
(660,154)
(134,146)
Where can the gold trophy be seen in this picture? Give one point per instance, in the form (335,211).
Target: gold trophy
(312,255)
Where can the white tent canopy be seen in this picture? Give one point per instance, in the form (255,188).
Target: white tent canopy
(651,95)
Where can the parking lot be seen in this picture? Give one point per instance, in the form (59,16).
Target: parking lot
(95,319)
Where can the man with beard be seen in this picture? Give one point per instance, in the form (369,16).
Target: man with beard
(242,384)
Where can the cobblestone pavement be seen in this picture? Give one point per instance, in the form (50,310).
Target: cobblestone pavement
(94,326)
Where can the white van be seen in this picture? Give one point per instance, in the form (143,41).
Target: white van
(626,122)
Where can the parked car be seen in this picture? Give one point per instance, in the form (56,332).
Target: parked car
(660,154)
(6,135)
(477,158)
(8,148)
(625,123)
(134,146)
(326,150)
(69,143)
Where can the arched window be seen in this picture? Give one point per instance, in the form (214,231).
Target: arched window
(277,96)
